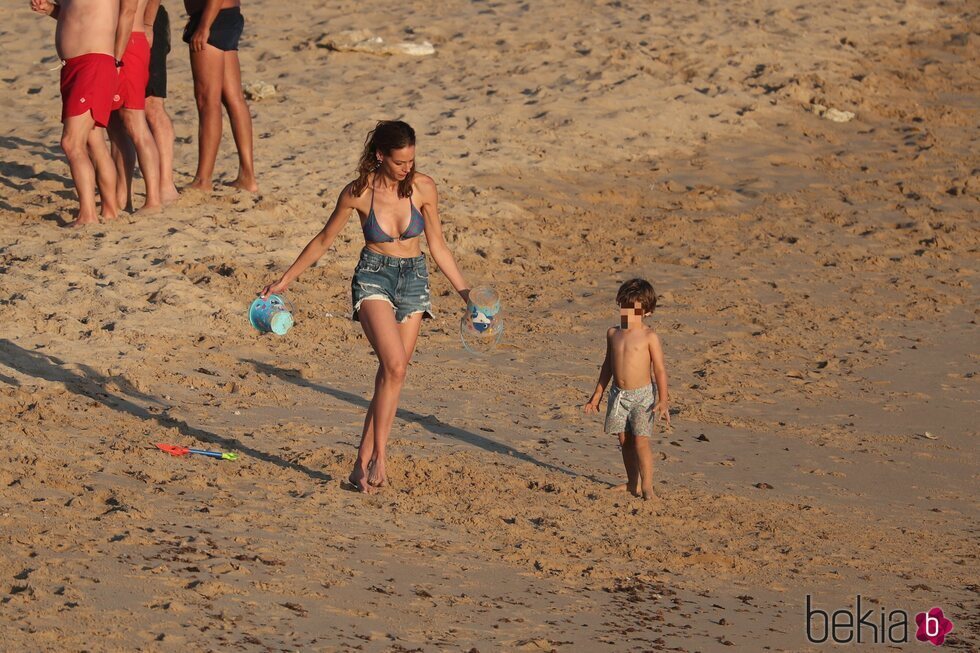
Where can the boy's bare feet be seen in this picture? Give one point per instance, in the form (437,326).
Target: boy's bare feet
(624,487)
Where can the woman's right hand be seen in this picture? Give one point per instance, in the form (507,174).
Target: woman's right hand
(273,289)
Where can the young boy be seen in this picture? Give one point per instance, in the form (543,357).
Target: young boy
(632,349)
(85,40)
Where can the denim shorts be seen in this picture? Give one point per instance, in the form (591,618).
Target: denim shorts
(402,282)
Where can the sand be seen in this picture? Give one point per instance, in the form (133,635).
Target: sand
(817,304)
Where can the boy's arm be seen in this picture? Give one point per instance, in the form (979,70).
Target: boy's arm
(124,28)
(605,372)
(660,375)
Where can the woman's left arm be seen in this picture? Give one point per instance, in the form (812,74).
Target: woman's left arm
(429,205)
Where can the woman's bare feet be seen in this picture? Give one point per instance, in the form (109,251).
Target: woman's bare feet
(198,184)
(377,475)
(80,222)
(246,183)
(169,195)
(359,480)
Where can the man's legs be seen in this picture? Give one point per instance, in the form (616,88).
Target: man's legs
(241,121)
(207,68)
(146,152)
(163,134)
(124,159)
(74,142)
(105,173)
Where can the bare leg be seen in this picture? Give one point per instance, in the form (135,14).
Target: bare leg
(207,67)
(105,173)
(644,459)
(124,160)
(627,442)
(241,121)
(382,331)
(408,331)
(74,142)
(163,134)
(146,151)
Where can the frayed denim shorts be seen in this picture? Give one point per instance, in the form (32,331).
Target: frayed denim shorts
(402,282)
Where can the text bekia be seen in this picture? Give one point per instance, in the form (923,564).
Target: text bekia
(844,626)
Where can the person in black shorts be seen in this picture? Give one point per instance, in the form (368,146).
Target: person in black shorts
(157,23)
(213,30)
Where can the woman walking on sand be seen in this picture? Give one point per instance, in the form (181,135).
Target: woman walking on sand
(390,288)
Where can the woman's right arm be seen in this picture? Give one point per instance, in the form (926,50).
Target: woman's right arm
(316,247)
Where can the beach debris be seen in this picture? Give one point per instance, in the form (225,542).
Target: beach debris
(175,450)
(929,436)
(763,486)
(702,438)
(363,41)
(834,115)
(257,91)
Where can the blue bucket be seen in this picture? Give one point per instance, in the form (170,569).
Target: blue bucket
(270,314)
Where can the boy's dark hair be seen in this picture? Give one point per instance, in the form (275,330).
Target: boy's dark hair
(637,290)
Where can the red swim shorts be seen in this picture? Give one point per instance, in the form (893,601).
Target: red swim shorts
(89,83)
(134,74)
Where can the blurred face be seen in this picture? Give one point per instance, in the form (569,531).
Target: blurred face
(632,315)
(398,163)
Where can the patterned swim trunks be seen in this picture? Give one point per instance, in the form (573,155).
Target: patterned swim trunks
(633,407)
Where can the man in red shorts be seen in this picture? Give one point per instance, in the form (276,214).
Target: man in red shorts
(128,129)
(84,40)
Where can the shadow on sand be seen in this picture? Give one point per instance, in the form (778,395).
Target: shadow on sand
(87,382)
(429,422)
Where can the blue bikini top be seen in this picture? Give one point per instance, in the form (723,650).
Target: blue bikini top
(373,233)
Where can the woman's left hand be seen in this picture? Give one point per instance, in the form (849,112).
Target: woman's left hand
(200,38)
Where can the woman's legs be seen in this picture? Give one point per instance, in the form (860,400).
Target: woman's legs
(163,134)
(124,158)
(408,331)
(207,67)
(241,121)
(378,321)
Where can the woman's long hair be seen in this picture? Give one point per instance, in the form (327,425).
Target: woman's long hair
(387,136)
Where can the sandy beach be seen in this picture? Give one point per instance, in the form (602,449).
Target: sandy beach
(801,185)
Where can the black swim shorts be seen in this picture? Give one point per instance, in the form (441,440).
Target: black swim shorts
(157,85)
(225,31)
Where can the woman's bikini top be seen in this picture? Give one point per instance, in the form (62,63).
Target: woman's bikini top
(373,233)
